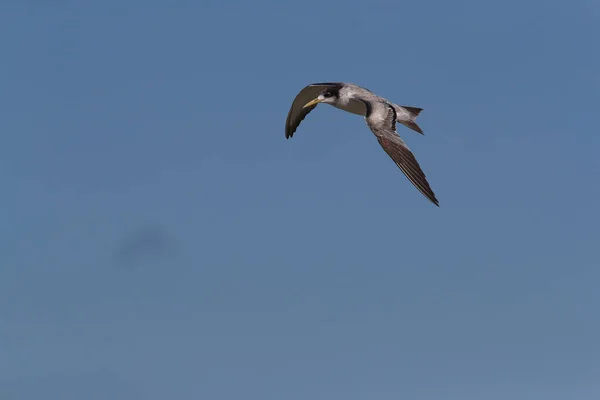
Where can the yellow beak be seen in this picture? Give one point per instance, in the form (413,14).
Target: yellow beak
(312,102)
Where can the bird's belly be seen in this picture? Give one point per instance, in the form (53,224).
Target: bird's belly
(353,106)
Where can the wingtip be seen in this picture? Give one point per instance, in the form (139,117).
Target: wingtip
(432,199)
(288,131)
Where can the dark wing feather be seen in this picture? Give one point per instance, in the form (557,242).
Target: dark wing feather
(297,113)
(384,128)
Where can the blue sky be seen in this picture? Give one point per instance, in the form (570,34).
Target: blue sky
(160,237)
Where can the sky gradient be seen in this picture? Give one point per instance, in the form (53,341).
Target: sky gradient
(161,239)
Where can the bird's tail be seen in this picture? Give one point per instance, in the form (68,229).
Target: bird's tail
(407,118)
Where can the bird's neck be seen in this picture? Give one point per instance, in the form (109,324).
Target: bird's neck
(351,105)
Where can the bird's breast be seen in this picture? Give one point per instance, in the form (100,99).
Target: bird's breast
(352,106)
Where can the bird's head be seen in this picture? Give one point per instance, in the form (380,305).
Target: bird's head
(328,96)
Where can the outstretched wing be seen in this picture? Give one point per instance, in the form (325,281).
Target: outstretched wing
(297,113)
(381,119)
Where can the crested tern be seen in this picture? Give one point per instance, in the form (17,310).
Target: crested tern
(380,115)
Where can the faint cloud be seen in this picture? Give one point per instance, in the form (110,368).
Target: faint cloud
(145,244)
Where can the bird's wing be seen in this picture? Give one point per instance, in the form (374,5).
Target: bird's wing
(297,113)
(381,119)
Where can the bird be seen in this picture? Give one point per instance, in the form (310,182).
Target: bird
(380,115)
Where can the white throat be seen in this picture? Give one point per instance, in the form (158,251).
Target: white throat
(346,102)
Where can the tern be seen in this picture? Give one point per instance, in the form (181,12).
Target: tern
(380,115)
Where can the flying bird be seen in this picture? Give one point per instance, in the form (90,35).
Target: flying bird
(380,115)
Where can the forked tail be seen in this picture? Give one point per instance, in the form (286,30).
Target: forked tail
(407,116)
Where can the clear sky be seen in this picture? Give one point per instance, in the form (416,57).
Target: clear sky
(161,239)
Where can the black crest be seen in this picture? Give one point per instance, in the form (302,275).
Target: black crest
(332,90)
